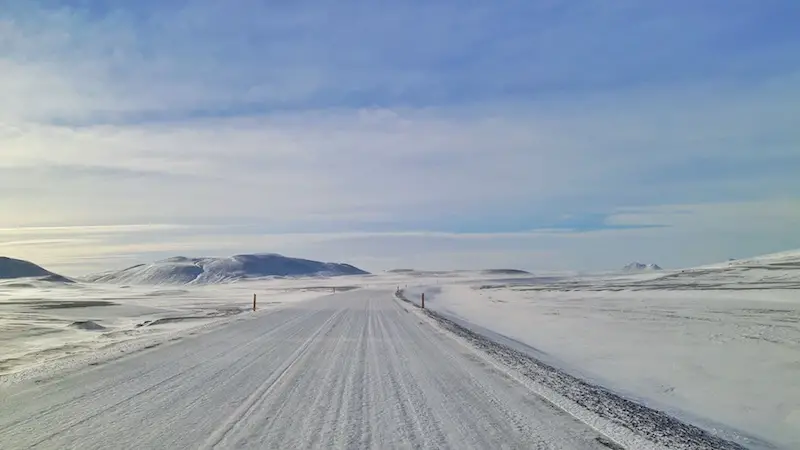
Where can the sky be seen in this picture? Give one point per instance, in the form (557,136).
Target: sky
(452,134)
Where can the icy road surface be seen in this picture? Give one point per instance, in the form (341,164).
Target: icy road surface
(353,370)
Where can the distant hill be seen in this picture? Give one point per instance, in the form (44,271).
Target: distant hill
(182,270)
(505,272)
(639,267)
(11,269)
(765,272)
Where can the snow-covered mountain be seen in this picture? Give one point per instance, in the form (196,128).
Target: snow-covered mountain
(639,267)
(182,270)
(11,269)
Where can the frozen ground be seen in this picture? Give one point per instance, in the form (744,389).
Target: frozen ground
(718,346)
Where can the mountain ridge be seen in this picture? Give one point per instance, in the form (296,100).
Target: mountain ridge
(12,269)
(213,270)
(640,267)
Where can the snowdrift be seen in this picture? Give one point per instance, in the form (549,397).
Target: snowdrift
(182,270)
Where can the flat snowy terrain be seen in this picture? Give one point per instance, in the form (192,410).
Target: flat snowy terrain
(717,346)
(354,370)
(47,326)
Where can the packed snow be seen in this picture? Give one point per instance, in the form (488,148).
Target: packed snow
(356,370)
(182,270)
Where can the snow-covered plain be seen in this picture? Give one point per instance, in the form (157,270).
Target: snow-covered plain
(45,327)
(718,346)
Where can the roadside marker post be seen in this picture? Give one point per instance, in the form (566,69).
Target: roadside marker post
(423,300)
(254,302)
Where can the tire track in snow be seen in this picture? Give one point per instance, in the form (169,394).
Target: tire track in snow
(497,424)
(425,421)
(109,385)
(354,433)
(44,420)
(347,371)
(307,390)
(335,397)
(219,434)
(179,398)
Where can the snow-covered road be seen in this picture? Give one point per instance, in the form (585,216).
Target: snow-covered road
(353,370)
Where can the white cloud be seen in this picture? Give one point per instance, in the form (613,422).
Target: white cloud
(387,165)
(91,229)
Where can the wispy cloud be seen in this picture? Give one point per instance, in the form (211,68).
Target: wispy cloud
(315,118)
(92,229)
(701,233)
